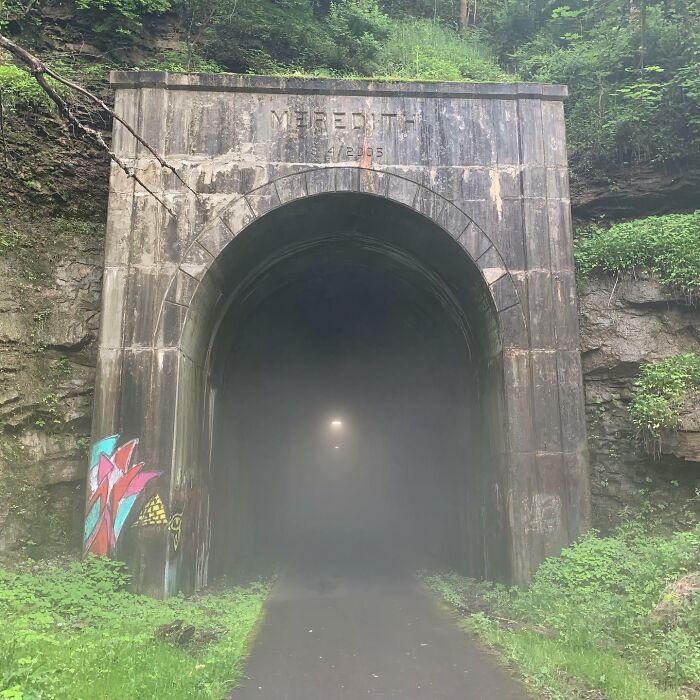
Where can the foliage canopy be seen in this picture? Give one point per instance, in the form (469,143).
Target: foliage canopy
(633,68)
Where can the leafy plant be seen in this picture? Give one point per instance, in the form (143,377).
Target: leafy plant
(424,50)
(182,61)
(120,16)
(668,246)
(585,623)
(358,29)
(20,89)
(73,631)
(660,392)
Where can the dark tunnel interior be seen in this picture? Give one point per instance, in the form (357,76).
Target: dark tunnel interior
(348,385)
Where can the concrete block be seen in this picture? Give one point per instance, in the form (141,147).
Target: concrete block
(474,241)
(539,294)
(545,397)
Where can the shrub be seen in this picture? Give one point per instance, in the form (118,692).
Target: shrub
(423,50)
(586,621)
(357,29)
(182,61)
(668,246)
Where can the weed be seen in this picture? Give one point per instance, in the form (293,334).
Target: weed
(659,394)
(584,624)
(75,632)
(668,246)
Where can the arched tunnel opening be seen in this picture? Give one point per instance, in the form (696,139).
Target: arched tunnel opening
(351,398)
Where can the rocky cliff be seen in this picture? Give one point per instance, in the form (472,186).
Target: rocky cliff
(49,317)
(625,322)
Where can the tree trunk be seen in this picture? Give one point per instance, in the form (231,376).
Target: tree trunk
(463,13)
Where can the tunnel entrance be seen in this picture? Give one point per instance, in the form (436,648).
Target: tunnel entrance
(352,397)
(395,256)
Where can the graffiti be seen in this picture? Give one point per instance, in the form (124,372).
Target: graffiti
(114,487)
(152,514)
(175,527)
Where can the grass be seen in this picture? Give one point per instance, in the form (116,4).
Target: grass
(585,626)
(75,632)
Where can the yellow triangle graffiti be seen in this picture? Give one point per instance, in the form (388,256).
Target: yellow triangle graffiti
(153,513)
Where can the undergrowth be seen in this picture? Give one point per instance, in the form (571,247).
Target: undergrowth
(668,246)
(75,632)
(585,627)
(660,393)
(18,88)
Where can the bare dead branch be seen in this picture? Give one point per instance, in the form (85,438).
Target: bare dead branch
(2,129)
(40,70)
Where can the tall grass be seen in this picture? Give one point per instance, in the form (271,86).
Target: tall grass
(419,49)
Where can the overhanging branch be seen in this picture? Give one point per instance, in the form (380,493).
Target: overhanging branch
(40,70)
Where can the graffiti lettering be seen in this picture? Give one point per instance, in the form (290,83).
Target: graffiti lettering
(175,527)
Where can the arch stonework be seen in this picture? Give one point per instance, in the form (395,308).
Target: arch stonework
(486,164)
(233,217)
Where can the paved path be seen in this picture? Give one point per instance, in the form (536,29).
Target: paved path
(352,638)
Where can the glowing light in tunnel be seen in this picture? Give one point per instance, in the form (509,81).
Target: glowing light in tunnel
(336,424)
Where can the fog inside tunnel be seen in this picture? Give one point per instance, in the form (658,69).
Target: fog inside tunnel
(348,426)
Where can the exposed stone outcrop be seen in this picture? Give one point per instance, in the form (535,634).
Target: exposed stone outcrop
(49,316)
(623,324)
(642,190)
(684,443)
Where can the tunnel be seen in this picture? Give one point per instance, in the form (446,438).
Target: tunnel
(349,392)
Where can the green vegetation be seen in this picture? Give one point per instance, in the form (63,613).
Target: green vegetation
(19,89)
(668,246)
(633,69)
(660,392)
(120,16)
(586,627)
(421,50)
(74,632)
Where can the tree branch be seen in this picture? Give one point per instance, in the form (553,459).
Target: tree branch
(40,70)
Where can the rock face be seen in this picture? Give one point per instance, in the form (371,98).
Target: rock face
(624,324)
(636,192)
(49,315)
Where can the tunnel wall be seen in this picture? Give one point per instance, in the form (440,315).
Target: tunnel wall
(485,163)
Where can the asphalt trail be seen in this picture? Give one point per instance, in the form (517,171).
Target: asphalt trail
(355,637)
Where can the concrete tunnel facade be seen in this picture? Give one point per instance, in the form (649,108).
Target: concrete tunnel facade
(408,242)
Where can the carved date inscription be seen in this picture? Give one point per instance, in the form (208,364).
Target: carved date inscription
(343,152)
